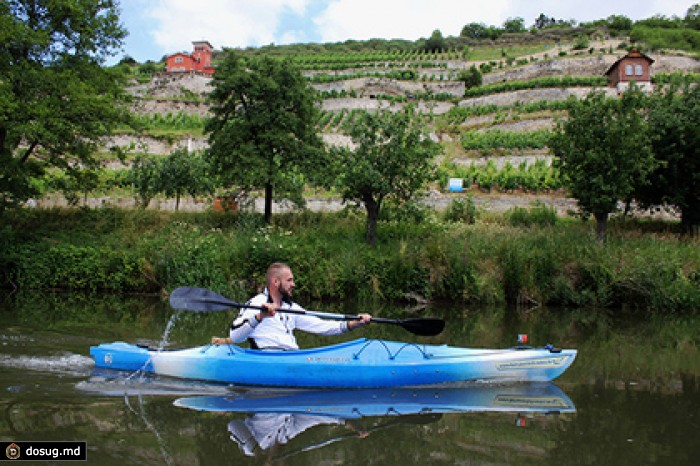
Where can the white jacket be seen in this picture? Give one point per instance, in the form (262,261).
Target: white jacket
(278,332)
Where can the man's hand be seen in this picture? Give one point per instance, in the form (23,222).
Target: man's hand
(220,341)
(270,310)
(364,320)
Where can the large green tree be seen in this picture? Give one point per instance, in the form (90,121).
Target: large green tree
(262,131)
(674,124)
(392,157)
(56,100)
(603,150)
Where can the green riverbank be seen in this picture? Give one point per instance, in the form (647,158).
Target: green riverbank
(526,257)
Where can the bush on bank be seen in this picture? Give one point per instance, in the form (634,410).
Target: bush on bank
(527,257)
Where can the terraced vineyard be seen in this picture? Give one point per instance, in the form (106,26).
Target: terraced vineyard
(507,120)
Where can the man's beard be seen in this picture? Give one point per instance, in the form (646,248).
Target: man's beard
(286,295)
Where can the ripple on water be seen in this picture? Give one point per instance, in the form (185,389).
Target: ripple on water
(67,363)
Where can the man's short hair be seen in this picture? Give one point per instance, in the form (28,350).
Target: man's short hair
(275,269)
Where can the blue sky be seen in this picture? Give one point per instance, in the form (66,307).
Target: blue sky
(162,27)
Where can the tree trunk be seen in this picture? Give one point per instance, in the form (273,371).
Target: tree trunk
(601,219)
(177,201)
(372,208)
(268,202)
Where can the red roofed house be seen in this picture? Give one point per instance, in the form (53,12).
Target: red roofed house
(199,60)
(633,67)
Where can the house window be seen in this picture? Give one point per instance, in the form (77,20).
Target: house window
(629,70)
(638,70)
(178,59)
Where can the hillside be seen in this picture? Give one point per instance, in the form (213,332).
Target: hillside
(436,90)
(497,126)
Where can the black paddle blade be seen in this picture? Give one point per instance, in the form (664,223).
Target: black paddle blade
(186,298)
(427,327)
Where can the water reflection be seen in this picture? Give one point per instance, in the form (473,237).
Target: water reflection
(274,417)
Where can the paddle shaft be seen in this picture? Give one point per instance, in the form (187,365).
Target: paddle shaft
(304,312)
(203,300)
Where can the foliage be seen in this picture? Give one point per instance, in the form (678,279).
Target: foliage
(581,43)
(496,138)
(461,210)
(663,38)
(674,112)
(458,114)
(436,42)
(536,177)
(143,179)
(538,214)
(261,130)
(184,172)
(604,152)
(187,254)
(471,77)
(178,121)
(56,100)
(480,31)
(642,265)
(537,83)
(514,25)
(76,267)
(393,157)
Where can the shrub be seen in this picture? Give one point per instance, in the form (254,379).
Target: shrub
(538,214)
(461,210)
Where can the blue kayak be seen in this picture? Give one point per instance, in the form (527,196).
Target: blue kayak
(398,401)
(360,363)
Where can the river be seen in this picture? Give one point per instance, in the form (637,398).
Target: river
(631,397)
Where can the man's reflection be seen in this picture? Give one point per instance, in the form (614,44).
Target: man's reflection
(265,430)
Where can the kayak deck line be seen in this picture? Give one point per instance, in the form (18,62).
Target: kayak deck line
(423,352)
(422,349)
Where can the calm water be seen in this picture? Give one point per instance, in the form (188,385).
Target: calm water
(631,397)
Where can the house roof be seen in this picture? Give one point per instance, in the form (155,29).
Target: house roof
(195,42)
(633,54)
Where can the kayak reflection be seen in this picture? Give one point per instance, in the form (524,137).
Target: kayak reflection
(276,416)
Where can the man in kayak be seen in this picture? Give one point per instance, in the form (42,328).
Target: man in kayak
(270,329)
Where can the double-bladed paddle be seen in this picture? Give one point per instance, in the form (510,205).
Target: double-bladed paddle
(202,300)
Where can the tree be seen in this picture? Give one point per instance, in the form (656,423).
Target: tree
(261,133)
(514,25)
(480,31)
(393,157)
(543,21)
(674,113)
(619,23)
(692,17)
(183,172)
(474,31)
(143,178)
(436,43)
(604,152)
(471,77)
(56,101)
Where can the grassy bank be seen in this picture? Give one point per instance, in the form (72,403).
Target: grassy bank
(526,256)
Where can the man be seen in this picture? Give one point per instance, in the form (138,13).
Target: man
(269,329)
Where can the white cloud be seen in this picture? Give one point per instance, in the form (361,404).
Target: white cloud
(230,23)
(595,9)
(407,19)
(412,19)
(241,23)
